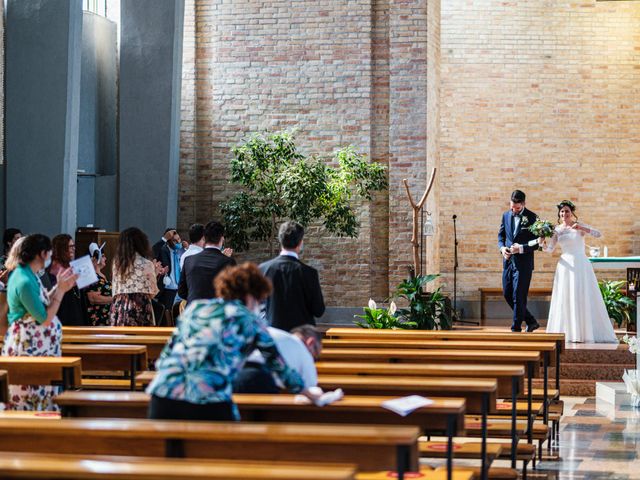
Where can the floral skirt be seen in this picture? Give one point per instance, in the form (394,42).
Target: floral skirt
(26,337)
(131,310)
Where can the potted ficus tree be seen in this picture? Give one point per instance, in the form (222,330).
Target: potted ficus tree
(278,182)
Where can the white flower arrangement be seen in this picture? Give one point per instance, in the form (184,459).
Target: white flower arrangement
(632,342)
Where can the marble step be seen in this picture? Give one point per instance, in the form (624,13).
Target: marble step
(591,371)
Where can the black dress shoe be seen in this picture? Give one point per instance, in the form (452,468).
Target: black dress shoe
(516,329)
(533,327)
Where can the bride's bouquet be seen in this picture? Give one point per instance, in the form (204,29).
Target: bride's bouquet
(541,229)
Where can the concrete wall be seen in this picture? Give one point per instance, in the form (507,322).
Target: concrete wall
(42,113)
(150,74)
(97,155)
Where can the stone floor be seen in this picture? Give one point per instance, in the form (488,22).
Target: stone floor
(597,442)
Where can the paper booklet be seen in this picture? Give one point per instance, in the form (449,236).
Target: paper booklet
(84,269)
(405,405)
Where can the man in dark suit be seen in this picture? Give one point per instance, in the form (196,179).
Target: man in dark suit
(517,264)
(297,296)
(199,270)
(157,247)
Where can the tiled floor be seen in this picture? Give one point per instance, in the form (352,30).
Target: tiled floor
(597,442)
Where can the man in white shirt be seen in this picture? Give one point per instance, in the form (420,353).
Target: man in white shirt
(196,242)
(299,349)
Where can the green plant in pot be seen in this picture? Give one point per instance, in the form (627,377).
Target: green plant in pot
(375,317)
(428,310)
(619,307)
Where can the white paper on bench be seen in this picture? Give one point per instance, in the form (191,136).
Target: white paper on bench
(84,269)
(327,398)
(405,405)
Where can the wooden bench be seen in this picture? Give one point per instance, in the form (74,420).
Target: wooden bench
(445,415)
(112,358)
(369,447)
(497,292)
(19,465)
(154,343)
(145,331)
(65,371)
(544,348)
(482,335)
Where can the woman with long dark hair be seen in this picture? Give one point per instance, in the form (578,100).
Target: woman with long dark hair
(134,281)
(34,329)
(71,312)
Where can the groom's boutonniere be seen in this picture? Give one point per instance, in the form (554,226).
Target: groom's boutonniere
(525,221)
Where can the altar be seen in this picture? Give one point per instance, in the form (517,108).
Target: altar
(614,263)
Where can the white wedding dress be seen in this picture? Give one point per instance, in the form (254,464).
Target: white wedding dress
(577,308)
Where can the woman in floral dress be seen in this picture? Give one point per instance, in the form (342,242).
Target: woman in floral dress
(99,294)
(209,346)
(134,281)
(34,329)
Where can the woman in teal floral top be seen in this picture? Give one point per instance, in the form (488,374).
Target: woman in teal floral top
(209,346)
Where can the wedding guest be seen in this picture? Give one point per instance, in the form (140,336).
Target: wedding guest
(300,349)
(297,295)
(196,237)
(71,312)
(10,236)
(34,328)
(99,294)
(11,263)
(170,254)
(201,270)
(209,346)
(134,281)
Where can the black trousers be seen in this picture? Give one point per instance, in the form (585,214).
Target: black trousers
(515,286)
(254,378)
(167,409)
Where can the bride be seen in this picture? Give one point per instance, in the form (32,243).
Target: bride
(577,308)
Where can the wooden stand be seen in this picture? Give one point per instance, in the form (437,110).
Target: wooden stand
(416,207)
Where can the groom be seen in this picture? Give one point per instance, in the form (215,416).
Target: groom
(517,263)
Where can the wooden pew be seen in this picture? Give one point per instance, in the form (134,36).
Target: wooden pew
(483,335)
(115,358)
(445,415)
(145,331)
(65,371)
(4,386)
(369,447)
(544,348)
(154,343)
(19,465)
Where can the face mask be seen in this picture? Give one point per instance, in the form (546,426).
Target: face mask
(166,281)
(47,262)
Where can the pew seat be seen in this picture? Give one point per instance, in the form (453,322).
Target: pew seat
(20,465)
(370,447)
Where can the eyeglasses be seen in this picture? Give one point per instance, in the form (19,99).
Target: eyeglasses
(72,246)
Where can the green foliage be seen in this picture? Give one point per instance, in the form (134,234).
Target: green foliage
(375,317)
(428,310)
(278,183)
(619,306)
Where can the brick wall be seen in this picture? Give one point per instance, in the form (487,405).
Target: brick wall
(342,72)
(541,96)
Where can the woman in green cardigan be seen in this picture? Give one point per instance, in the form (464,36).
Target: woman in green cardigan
(34,329)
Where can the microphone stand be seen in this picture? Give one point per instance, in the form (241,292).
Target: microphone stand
(456,317)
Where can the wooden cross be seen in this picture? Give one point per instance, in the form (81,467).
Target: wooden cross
(416,215)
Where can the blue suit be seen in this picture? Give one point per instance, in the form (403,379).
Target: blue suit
(517,271)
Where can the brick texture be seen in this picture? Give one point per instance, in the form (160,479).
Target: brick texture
(325,68)
(540,96)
